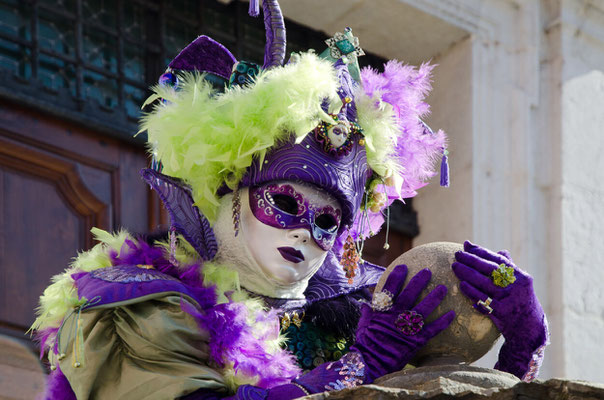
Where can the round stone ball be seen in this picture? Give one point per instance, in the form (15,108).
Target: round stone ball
(471,334)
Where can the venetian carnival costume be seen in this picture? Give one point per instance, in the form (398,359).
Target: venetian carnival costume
(310,152)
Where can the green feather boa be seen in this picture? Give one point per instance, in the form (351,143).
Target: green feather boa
(209,138)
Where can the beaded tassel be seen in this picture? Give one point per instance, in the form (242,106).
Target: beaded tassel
(350,259)
(173,259)
(254,9)
(444,169)
(236,211)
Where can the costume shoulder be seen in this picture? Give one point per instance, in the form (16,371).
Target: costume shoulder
(156,314)
(118,268)
(117,312)
(142,350)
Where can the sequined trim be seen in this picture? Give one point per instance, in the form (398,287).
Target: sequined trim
(352,371)
(302,388)
(129,274)
(534,365)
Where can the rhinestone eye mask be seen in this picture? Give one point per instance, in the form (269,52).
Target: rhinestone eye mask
(280,206)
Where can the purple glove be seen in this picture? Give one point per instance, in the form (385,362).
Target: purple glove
(506,294)
(386,341)
(392,331)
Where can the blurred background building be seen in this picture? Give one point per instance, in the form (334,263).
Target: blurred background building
(519,88)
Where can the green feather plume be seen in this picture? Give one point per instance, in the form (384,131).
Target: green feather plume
(209,138)
(380,130)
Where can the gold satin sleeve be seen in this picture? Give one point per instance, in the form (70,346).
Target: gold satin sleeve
(147,350)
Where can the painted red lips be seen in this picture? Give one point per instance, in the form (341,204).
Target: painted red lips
(291,254)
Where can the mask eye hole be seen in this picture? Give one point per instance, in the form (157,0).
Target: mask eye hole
(326,222)
(285,203)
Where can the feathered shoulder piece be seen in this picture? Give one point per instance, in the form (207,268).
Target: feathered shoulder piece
(61,296)
(244,343)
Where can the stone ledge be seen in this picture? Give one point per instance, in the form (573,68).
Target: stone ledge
(537,390)
(465,382)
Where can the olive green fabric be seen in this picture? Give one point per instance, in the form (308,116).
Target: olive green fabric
(147,350)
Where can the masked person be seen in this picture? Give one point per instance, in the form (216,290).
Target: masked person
(270,176)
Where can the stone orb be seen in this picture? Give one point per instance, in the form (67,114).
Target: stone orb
(471,334)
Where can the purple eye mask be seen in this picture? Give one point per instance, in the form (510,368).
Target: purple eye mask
(280,206)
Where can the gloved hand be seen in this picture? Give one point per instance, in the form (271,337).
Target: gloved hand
(385,342)
(389,334)
(348,371)
(513,306)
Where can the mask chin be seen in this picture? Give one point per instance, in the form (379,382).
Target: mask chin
(234,253)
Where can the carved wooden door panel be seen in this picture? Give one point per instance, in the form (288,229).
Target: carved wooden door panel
(57,181)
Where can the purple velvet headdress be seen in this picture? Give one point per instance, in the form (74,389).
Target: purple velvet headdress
(342,171)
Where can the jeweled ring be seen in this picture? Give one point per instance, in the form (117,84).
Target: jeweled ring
(382,301)
(486,304)
(409,322)
(503,276)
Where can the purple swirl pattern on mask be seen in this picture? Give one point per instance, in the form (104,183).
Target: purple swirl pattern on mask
(343,177)
(268,212)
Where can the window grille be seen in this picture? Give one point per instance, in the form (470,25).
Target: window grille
(93,60)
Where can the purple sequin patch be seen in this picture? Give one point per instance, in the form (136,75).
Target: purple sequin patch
(129,274)
(304,215)
(351,369)
(534,365)
(409,322)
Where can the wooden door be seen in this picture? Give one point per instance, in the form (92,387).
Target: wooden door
(57,181)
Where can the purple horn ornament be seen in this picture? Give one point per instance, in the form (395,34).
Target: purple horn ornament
(274,50)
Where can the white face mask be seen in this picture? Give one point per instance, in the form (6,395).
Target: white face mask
(271,261)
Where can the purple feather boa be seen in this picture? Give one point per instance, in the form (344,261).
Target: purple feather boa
(46,337)
(233,342)
(57,387)
(405,87)
(417,149)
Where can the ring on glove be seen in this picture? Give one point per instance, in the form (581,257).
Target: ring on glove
(409,322)
(503,276)
(382,301)
(486,304)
